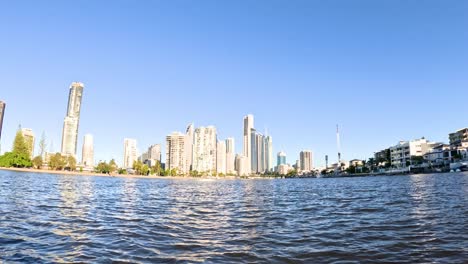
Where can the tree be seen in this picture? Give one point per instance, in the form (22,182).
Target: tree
(103,167)
(113,166)
(37,162)
(156,169)
(17,160)
(137,167)
(57,162)
(19,144)
(71,163)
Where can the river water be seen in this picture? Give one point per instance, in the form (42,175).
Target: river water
(399,219)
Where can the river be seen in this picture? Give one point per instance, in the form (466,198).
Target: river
(388,219)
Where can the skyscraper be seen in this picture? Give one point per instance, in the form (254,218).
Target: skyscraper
(72,120)
(175,152)
(269,154)
(204,150)
(190,134)
(29,139)
(87,158)
(281,158)
(230,156)
(130,152)
(221,157)
(248,126)
(258,158)
(154,152)
(2,114)
(306,162)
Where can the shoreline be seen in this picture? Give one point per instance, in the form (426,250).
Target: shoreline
(89,174)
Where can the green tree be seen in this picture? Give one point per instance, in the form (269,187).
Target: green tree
(19,144)
(137,167)
(17,160)
(156,169)
(57,162)
(71,163)
(37,162)
(103,167)
(113,166)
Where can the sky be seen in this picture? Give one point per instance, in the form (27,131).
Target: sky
(385,71)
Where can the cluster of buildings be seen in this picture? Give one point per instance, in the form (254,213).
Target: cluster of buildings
(199,150)
(71,122)
(424,153)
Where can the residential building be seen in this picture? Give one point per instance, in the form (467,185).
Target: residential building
(29,139)
(459,138)
(72,120)
(241,165)
(248,126)
(383,157)
(190,134)
(284,169)
(175,153)
(230,156)
(306,161)
(2,115)
(130,153)
(154,155)
(281,160)
(401,154)
(221,158)
(204,150)
(87,155)
(269,154)
(356,163)
(258,154)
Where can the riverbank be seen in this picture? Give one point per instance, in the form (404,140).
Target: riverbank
(77,173)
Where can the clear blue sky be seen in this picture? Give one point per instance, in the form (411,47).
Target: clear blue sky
(384,70)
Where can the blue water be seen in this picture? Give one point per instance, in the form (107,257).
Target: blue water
(392,219)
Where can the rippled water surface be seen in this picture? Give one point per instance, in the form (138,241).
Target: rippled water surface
(400,219)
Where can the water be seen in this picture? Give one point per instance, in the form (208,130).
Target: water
(400,219)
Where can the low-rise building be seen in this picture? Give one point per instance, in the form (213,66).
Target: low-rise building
(401,154)
(459,138)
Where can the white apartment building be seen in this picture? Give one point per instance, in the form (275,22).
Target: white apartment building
(204,150)
(130,152)
(221,158)
(402,152)
(175,153)
(87,155)
(230,156)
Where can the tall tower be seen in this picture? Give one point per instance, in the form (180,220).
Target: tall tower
(230,156)
(72,120)
(248,126)
(190,134)
(175,152)
(130,152)
(338,145)
(2,114)
(306,161)
(204,150)
(87,158)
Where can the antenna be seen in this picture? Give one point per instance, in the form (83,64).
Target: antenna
(338,144)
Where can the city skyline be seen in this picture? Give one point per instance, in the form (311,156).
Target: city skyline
(377,81)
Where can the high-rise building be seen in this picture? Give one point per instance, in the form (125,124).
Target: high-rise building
(87,158)
(281,158)
(230,156)
(72,120)
(204,150)
(306,162)
(154,152)
(221,157)
(258,159)
(2,114)
(130,152)
(190,134)
(29,139)
(175,153)
(248,126)
(269,154)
